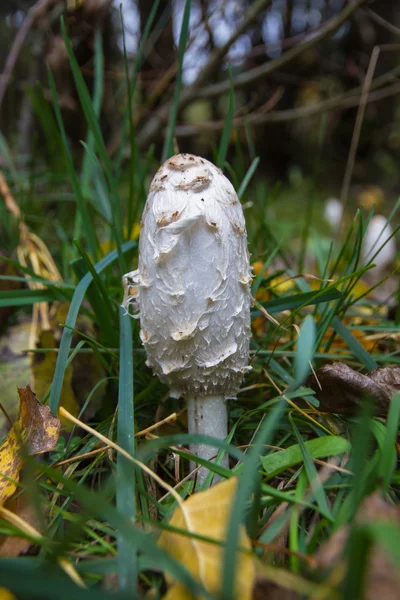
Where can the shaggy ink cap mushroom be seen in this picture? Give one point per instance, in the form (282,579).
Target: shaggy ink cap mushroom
(192,287)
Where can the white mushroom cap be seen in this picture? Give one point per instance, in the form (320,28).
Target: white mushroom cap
(194,280)
(378,233)
(333,212)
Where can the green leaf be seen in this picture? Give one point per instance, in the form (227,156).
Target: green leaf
(320,447)
(304,351)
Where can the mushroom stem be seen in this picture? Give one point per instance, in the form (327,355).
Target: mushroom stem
(207,415)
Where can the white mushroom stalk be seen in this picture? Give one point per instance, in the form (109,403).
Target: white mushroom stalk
(192,291)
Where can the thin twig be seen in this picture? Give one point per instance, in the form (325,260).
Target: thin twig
(357,126)
(267,68)
(67,415)
(33,14)
(338,102)
(381,21)
(156,123)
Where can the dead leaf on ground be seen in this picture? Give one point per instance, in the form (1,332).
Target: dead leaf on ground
(267,590)
(343,389)
(13,545)
(6,594)
(382,578)
(36,430)
(207,514)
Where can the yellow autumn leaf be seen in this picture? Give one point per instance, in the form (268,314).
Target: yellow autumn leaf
(207,514)
(35,429)
(6,594)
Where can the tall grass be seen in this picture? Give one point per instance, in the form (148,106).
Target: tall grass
(104,512)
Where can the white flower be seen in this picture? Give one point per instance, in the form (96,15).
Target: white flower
(193,281)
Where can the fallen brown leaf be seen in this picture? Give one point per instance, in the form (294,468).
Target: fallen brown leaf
(36,430)
(343,389)
(267,590)
(12,545)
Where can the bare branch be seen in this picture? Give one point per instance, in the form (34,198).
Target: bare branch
(339,102)
(383,22)
(358,125)
(154,125)
(33,14)
(152,129)
(266,69)
(216,58)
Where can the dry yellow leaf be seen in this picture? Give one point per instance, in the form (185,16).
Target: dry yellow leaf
(35,429)
(6,594)
(207,514)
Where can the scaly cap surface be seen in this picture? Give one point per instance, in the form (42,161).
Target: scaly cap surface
(193,280)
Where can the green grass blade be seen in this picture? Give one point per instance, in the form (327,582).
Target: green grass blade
(359,464)
(126,504)
(387,535)
(132,83)
(71,320)
(87,164)
(304,352)
(320,447)
(27,297)
(105,318)
(388,460)
(107,308)
(75,184)
(168,149)
(38,581)
(258,280)
(45,115)
(226,134)
(98,503)
(301,488)
(357,554)
(359,352)
(312,474)
(248,478)
(87,106)
(301,300)
(247,178)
